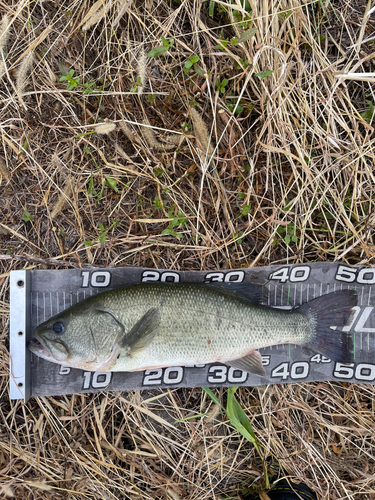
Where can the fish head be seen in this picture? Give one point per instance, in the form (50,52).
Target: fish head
(80,337)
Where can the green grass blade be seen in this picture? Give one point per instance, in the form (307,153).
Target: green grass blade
(212,395)
(241,423)
(238,418)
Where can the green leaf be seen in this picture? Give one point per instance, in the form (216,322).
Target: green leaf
(211,8)
(64,69)
(27,217)
(158,51)
(63,79)
(238,418)
(166,42)
(264,74)
(287,239)
(369,113)
(222,44)
(112,183)
(246,210)
(199,71)
(248,34)
(208,391)
(91,184)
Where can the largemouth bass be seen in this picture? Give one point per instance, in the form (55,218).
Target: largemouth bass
(157,325)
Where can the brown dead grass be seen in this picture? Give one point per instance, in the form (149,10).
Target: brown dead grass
(289,179)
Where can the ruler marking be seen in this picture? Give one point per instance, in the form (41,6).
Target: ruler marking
(37,308)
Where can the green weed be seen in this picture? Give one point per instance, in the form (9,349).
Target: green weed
(72,80)
(264,74)
(368,115)
(103,233)
(221,85)
(288,234)
(161,49)
(191,62)
(240,422)
(158,203)
(137,84)
(27,217)
(178,221)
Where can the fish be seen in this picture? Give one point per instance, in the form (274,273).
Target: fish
(156,325)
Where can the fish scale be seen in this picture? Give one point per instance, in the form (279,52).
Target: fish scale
(157,325)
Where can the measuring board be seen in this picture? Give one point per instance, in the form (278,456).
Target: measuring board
(37,295)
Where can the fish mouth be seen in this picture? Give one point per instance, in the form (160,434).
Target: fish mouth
(39,347)
(52,350)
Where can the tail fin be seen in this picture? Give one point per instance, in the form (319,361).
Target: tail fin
(333,309)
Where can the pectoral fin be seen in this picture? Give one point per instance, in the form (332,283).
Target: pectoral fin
(251,363)
(143,332)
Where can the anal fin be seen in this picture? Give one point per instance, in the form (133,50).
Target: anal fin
(251,363)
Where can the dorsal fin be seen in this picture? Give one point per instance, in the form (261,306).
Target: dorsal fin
(254,294)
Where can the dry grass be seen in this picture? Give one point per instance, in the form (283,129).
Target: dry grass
(290,178)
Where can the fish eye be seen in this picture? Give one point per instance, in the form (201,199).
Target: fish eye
(58,328)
